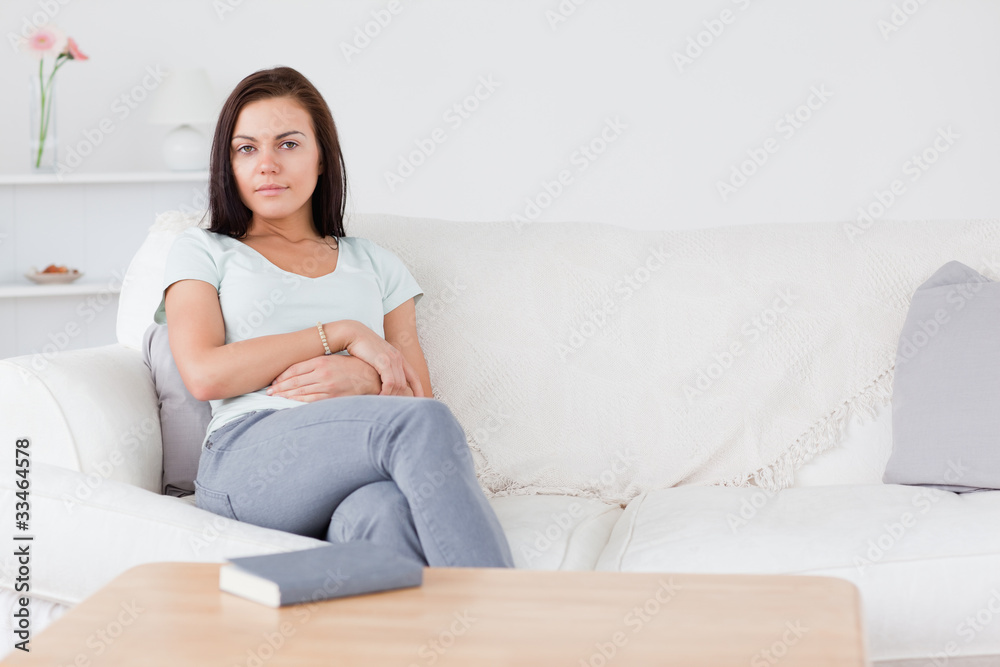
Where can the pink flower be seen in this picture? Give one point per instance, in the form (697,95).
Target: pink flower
(45,41)
(74,51)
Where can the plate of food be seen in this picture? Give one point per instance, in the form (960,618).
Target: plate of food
(53,274)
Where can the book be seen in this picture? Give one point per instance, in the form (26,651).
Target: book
(340,569)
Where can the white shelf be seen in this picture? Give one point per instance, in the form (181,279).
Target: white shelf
(108,177)
(15,290)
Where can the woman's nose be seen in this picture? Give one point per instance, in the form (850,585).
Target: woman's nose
(267,161)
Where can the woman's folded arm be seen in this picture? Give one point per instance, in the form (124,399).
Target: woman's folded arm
(212,369)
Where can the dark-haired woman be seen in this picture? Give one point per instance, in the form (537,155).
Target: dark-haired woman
(304,341)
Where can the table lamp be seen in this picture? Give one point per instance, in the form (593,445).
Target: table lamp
(184,98)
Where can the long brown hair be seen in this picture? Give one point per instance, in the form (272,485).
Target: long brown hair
(230,215)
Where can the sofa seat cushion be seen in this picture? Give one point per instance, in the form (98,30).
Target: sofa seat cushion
(926,561)
(549,532)
(555,532)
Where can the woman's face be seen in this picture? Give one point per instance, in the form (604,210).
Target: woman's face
(275,158)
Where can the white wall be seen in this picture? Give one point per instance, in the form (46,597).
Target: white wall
(683,130)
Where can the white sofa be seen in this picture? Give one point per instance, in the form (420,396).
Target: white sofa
(930,588)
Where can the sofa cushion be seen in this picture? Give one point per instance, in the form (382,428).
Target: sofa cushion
(92,410)
(142,286)
(183,418)
(946,391)
(555,532)
(925,560)
(858,459)
(549,532)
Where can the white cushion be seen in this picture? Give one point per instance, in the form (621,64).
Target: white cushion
(923,559)
(93,410)
(142,286)
(860,458)
(549,532)
(555,532)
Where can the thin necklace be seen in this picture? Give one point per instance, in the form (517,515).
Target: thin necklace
(331,247)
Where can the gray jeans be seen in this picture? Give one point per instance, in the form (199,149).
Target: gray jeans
(392,470)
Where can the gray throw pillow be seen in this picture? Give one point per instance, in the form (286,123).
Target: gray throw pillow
(183,418)
(946,390)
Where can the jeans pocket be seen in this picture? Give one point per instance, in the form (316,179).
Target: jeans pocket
(216,502)
(211,442)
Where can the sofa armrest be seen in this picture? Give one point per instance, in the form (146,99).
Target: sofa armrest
(86,536)
(93,410)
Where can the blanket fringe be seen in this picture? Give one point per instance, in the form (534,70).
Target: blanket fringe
(497,485)
(823,435)
(514,490)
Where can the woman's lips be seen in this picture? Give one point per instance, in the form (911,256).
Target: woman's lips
(271,191)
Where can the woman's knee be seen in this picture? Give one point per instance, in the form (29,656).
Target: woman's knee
(369,508)
(433,417)
(432,410)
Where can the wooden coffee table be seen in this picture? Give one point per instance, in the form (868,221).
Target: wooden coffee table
(174,614)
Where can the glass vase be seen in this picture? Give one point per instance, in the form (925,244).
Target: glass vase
(42,124)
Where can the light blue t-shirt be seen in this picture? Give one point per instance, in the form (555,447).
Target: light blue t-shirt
(259,299)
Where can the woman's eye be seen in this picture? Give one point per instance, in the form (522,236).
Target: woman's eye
(240,149)
(289,142)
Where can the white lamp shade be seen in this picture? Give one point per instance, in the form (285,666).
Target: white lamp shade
(185,96)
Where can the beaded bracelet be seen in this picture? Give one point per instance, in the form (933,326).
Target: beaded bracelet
(322,336)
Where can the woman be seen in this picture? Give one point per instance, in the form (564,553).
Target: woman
(273,312)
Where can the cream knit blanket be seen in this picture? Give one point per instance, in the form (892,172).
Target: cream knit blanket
(593,360)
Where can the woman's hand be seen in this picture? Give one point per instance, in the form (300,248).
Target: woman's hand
(397,374)
(327,376)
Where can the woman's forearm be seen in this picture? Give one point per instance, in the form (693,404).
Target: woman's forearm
(249,365)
